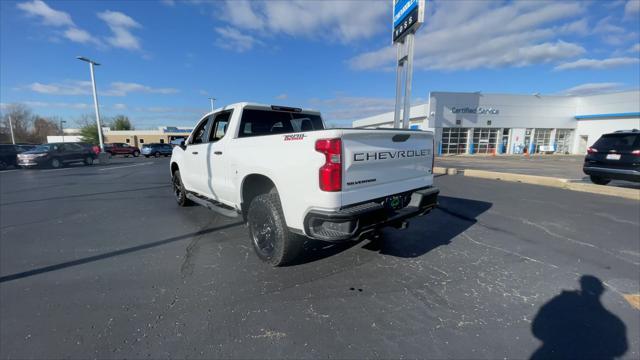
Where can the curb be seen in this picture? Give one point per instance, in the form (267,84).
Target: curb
(632,194)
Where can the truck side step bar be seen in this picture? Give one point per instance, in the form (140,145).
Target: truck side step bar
(213,205)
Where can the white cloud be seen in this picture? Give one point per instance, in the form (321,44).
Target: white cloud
(282,97)
(507,34)
(76,87)
(70,87)
(120,106)
(49,16)
(80,36)
(593,88)
(124,88)
(58,105)
(168,2)
(344,21)
(233,39)
(632,9)
(352,107)
(635,48)
(597,63)
(56,18)
(121,26)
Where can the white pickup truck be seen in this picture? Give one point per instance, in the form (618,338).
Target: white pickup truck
(290,178)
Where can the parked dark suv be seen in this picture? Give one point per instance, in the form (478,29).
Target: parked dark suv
(122,149)
(56,155)
(9,152)
(614,156)
(157,150)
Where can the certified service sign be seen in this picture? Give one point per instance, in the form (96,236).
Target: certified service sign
(408,15)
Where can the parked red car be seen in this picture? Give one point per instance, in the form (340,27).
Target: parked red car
(121,149)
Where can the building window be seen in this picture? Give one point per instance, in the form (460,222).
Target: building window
(542,137)
(454,141)
(161,141)
(458,122)
(563,141)
(141,141)
(485,140)
(127,140)
(488,122)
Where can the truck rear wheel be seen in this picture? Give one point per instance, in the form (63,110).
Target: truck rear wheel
(270,237)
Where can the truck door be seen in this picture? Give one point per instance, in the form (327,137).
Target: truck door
(217,186)
(195,158)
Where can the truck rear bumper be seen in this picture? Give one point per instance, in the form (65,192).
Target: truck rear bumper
(355,221)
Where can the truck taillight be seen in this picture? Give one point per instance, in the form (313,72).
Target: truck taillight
(591,150)
(636,152)
(330,174)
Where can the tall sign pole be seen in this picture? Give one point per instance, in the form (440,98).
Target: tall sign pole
(95,99)
(408,16)
(13,139)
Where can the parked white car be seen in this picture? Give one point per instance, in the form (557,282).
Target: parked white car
(290,178)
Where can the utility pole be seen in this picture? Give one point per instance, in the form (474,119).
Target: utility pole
(62,128)
(13,139)
(213,100)
(95,98)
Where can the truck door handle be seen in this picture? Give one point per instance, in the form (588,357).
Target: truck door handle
(194,152)
(217,152)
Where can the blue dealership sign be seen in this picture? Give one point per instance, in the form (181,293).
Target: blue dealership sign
(408,15)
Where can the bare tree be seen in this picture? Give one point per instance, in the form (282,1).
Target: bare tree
(21,119)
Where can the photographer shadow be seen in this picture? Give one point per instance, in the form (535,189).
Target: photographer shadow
(575,325)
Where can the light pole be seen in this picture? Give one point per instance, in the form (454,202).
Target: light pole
(62,128)
(213,100)
(13,139)
(95,98)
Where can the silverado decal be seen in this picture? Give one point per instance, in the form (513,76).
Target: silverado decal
(384,155)
(294,137)
(358,182)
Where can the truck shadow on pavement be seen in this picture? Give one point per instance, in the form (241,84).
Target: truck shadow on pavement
(451,218)
(575,325)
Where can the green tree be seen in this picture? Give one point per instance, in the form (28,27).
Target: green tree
(89,134)
(121,122)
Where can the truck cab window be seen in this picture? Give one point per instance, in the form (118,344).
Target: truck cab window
(220,125)
(200,133)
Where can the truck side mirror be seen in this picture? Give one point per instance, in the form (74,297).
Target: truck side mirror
(183,144)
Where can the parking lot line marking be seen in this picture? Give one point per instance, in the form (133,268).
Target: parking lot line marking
(6,171)
(126,166)
(509,252)
(633,300)
(50,170)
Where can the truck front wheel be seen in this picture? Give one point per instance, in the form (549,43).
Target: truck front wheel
(179,191)
(270,237)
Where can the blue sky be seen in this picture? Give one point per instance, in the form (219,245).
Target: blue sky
(163,59)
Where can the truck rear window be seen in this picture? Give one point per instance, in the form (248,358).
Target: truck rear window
(266,122)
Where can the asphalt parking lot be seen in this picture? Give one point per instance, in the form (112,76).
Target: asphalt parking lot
(100,262)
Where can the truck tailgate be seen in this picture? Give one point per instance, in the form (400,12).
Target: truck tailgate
(385,161)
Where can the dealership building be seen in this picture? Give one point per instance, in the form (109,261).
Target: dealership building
(478,123)
(164,134)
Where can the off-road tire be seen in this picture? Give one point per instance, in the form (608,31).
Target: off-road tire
(268,232)
(179,192)
(599,180)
